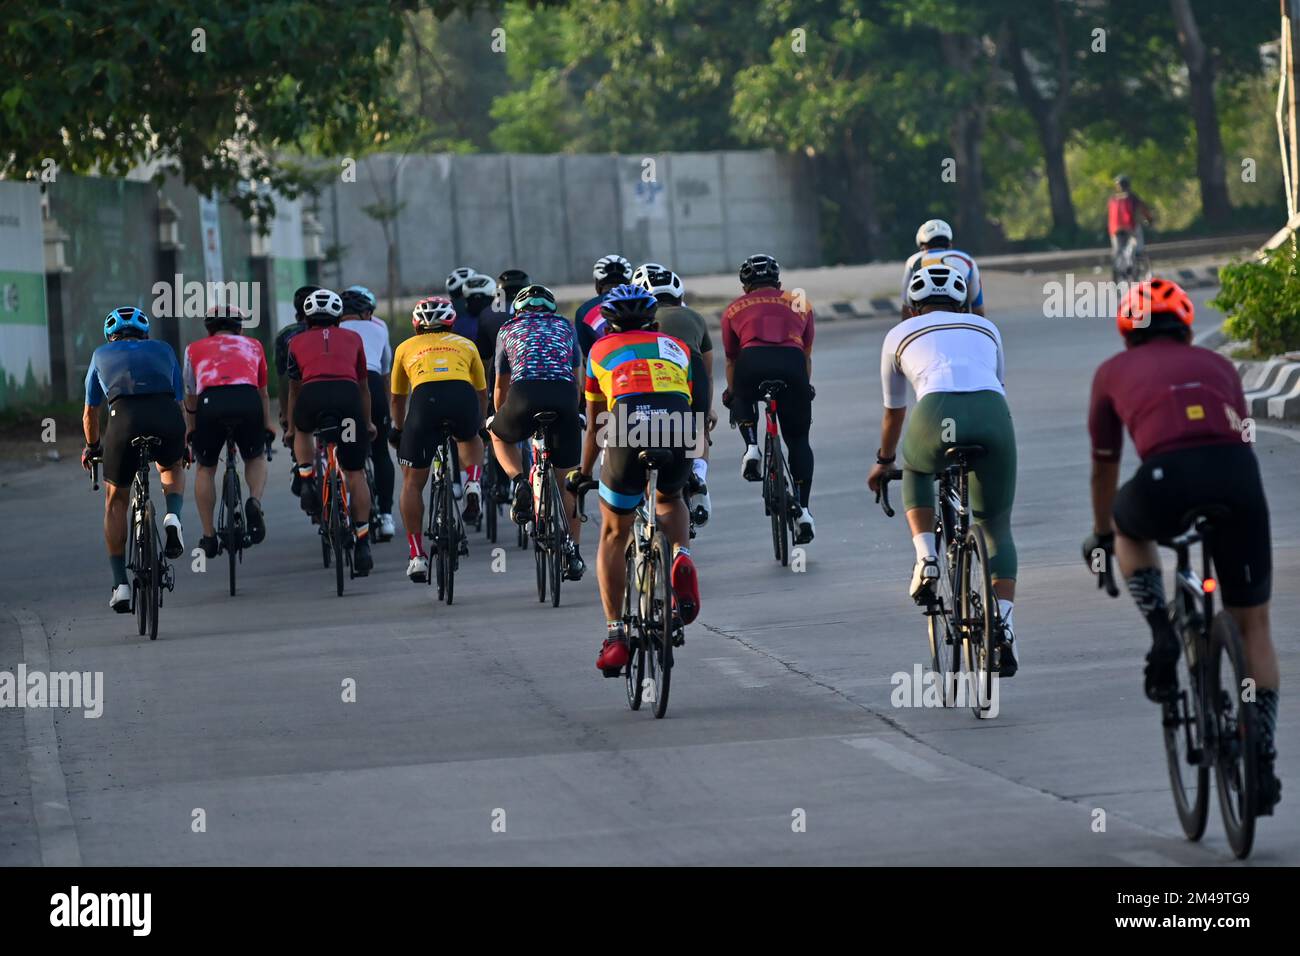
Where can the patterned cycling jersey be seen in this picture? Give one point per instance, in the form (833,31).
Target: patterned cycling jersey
(537,346)
(224,359)
(133,367)
(766,317)
(624,364)
(963,262)
(436,357)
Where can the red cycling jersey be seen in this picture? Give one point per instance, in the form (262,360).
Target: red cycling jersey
(224,359)
(327,353)
(766,317)
(1169,395)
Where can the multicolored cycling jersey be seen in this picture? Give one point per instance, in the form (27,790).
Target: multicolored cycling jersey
(767,317)
(327,354)
(624,364)
(436,357)
(590,323)
(963,262)
(1170,395)
(224,359)
(133,367)
(537,346)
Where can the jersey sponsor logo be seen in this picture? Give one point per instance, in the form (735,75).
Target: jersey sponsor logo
(669,349)
(1195,412)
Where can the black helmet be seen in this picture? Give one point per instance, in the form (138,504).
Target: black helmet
(628,307)
(300,296)
(224,318)
(512,280)
(355,303)
(760,270)
(1122,181)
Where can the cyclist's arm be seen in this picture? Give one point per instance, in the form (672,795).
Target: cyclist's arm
(891,429)
(589,448)
(708,364)
(398,409)
(363,384)
(500,387)
(90,424)
(294,384)
(1105,480)
(1105,431)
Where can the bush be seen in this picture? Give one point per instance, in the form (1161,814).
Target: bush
(1262,302)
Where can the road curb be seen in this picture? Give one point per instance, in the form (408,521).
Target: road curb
(1272,388)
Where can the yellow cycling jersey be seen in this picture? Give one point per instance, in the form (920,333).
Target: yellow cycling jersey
(436,357)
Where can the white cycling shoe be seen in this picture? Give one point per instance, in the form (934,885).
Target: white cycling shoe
(702,506)
(804,528)
(174,540)
(121,599)
(925,579)
(386,528)
(751,465)
(418,569)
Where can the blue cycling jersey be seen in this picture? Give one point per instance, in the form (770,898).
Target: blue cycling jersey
(133,367)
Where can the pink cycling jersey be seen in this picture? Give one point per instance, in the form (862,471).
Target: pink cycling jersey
(224,359)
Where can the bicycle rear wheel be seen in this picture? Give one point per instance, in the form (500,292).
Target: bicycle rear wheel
(634,673)
(155,588)
(143,558)
(541,544)
(559,535)
(452,532)
(490,503)
(1189,773)
(778,504)
(979,622)
(336,531)
(1234,723)
(233,526)
(659,627)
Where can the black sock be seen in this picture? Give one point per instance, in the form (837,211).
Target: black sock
(749,433)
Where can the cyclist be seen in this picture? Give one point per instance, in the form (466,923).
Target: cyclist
(225,381)
(327,375)
(1184,408)
(954,362)
(675,319)
(538,367)
(934,247)
(282,373)
(443,376)
(1125,216)
(638,374)
(480,290)
(455,287)
(359,317)
(141,380)
(609,271)
(768,334)
(507,286)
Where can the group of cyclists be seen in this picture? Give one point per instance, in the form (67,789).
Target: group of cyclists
(491,354)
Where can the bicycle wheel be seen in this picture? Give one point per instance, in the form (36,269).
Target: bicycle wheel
(155,581)
(659,627)
(778,506)
(1234,730)
(1189,773)
(978,620)
(559,535)
(142,558)
(634,673)
(336,531)
(451,534)
(490,503)
(945,646)
(541,544)
(233,526)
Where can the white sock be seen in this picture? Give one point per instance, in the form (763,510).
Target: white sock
(701,469)
(1005,608)
(924,545)
(750,448)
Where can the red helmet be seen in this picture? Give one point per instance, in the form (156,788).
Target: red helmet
(435,312)
(1143,300)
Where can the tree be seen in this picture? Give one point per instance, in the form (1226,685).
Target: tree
(1209,144)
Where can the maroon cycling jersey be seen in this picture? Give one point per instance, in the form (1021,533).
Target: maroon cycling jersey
(1169,395)
(766,317)
(327,353)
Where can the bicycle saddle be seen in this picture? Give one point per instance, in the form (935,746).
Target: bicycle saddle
(546,418)
(145,440)
(655,457)
(326,426)
(771,387)
(966,452)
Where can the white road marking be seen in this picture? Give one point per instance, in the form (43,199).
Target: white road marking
(735,671)
(897,758)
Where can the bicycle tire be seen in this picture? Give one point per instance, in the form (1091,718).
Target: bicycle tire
(336,532)
(1235,766)
(778,505)
(660,628)
(155,583)
(452,536)
(1184,743)
(541,534)
(634,673)
(142,555)
(559,536)
(490,503)
(230,495)
(978,618)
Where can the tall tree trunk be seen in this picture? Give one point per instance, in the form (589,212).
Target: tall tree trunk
(966,134)
(1209,145)
(1048,115)
(862,185)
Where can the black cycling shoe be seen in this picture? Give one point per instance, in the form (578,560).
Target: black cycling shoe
(362,561)
(1160,677)
(211,545)
(1269,789)
(521,509)
(309,496)
(256,522)
(574,566)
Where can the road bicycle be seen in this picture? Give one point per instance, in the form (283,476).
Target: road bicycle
(1208,723)
(151,573)
(335,518)
(653,626)
(963,624)
(780,503)
(496,492)
(232,528)
(1128,264)
(444,527)
(549,527)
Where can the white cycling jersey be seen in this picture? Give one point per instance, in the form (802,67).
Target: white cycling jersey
(963,262)
(941,352)
(374,336)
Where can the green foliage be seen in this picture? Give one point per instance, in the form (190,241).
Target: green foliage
(1262,301)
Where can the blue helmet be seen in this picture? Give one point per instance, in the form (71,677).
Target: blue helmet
(128,320)
(370,296)
(628,307)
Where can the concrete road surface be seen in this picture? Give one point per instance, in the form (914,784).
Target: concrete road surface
(482,733)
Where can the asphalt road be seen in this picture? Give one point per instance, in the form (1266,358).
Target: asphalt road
(482,733)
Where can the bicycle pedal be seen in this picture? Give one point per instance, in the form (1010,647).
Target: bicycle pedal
(612,671)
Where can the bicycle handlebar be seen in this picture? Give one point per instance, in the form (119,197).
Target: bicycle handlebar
(580,494)
(882,493)
(1106,576)
(94,473)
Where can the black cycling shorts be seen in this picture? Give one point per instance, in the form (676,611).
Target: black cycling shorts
(239,405)
(1168,490)
(341,400)
(135,416)
(524,399)
(622,474)
(431,404)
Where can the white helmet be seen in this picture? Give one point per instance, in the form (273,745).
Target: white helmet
(456,279)
(933,229)
(937,282)
(324,303)
(479,284)
(657,280)
(611,267)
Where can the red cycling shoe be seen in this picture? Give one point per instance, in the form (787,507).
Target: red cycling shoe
(686,586)
(614,656)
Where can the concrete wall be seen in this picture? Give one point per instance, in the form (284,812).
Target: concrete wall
(24,326)
(554,215)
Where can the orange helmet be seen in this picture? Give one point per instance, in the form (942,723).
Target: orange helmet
(1146,299)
